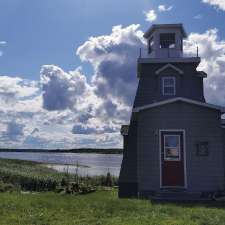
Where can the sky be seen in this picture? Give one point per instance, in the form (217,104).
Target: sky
(68,68)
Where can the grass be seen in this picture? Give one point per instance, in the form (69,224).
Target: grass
(98,208)
(101,208)
(33,176)
(28,175)
(27,168)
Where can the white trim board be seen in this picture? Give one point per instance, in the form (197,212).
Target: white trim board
(186,100)
(157,72)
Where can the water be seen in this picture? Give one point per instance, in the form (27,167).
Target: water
(90,164)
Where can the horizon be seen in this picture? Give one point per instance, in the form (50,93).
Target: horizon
(68,69)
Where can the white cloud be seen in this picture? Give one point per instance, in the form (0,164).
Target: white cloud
(62,90)
(3,43)
(212,52)
(219,4)
(198,17)
(65,110)
(164,8)
(113,58)
(150,16)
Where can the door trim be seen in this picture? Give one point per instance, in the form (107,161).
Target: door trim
(184,153)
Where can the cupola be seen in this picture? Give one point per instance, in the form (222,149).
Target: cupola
(165,40)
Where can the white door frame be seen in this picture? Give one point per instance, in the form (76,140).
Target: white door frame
(184,157)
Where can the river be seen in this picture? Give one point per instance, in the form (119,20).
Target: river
(90,164)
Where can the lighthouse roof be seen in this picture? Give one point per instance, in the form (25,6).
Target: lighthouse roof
(155,27)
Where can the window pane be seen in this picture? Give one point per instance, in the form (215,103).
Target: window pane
(169,91)
(167,40)
(172,147)
(168,81)
(171,141)
(172,153)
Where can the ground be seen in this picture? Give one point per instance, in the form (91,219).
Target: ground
(101,207)
(18,206)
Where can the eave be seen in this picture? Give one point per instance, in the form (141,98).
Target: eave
(177,99)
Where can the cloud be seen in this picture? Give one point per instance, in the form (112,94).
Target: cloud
(164,8)
(114,59)
(80,129)
(35,130)
(219,4)
(212,52)
(14,130)
(14,88)
(3,43)
(61,90)
(150,16)
(198,17)
(66,110)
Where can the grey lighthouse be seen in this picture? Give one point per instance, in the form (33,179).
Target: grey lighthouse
(175,139)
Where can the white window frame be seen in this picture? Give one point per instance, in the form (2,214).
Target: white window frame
(168,158)
(170,85)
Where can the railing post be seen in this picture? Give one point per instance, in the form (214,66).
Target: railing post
(140,53)
(197,51)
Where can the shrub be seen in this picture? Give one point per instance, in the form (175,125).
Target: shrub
(6,187)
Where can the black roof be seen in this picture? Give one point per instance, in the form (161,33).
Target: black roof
(159,26)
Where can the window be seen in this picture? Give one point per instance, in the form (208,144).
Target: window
(169,85)
(150,45)
(167,40)
(172,148)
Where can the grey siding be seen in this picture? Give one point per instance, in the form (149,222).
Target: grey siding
(200,124)
(128,172)
(189,85)
(224,154)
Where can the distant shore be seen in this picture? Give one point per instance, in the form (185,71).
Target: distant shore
(79,150)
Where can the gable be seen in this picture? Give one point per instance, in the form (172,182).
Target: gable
(189,101)
(165,67)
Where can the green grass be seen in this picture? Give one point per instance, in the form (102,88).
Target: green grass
(101,207)
(27,168)
(32,176)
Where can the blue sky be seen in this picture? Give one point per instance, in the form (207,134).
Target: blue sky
(56,83)
(49,31)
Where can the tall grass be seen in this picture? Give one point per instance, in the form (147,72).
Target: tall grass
(32,176)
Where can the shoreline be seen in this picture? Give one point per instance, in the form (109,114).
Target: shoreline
(81,151)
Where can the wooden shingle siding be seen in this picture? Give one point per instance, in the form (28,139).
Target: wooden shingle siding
(204,173)
(128,172)
(189,85)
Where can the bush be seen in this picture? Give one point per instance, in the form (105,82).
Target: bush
(6,187)
(30,176)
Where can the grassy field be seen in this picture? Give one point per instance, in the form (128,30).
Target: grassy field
(19,207)
(33,176)
(101,207)
(27,168)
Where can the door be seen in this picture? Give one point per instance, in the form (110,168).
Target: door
(172,159)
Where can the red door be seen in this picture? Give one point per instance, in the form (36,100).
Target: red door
(172,159)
